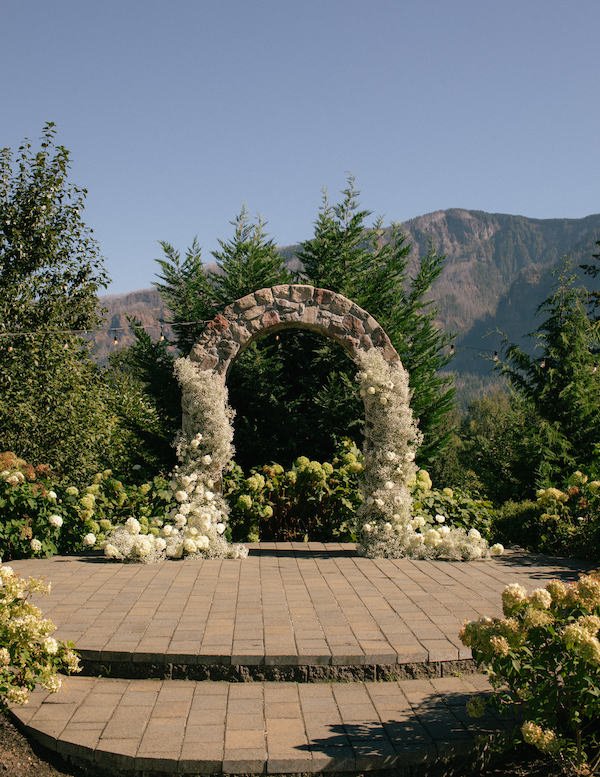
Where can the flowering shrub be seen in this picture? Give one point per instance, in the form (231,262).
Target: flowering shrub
(311,500)
(40,515)
(561,521)
(455,505)
(29,654)
(544,657)
(30,517)
(388,526)
(196,522)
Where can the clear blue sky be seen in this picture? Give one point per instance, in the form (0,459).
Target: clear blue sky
(177,112)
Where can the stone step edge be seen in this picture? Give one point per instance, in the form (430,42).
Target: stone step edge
(417,761)
(423,742)
(134,669)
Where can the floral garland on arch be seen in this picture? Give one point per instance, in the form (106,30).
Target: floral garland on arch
(386,525)
(196,525)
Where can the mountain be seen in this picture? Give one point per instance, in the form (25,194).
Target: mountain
(498,269)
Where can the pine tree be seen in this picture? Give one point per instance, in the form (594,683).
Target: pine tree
(593,270)
(370,266)
(562,382)
(194,295)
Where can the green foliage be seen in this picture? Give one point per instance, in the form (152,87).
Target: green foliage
(371,265)
(32,498)
(293,393)
(499,442)
(543,659)
(147,402)
(457,506)
(247,262)
(50,268)
(562,384)
(562,522)
(309,501)
(29,655)
(54,404)
(593,270)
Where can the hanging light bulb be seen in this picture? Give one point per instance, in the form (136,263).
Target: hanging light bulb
(115,339)
(452,350)
(161,339)
(543,364)
(496,357)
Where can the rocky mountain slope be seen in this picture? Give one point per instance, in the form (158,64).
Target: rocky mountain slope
(498,270)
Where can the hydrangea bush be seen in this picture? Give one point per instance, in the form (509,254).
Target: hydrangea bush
(387,526)
(561,521)
(42,515)
(29,654)
(310,500)
(543,657)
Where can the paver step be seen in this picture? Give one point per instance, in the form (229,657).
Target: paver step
(290,611)
(142,727)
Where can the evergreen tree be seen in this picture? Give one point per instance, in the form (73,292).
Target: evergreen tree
(593,270)
(370,265)
(194,294)
(562,383)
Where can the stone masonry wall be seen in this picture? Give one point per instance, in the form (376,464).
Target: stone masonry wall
(285,307)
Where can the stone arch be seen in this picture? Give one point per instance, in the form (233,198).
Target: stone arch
(289,306)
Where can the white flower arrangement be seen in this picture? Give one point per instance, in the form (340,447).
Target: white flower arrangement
(196,524)
(387,528)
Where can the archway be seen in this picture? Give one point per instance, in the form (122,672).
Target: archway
(286,307)
(391,435)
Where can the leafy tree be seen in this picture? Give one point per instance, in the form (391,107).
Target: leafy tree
(50,266)
(561,383)
(51,395)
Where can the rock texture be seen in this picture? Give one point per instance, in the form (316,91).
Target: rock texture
(284,307)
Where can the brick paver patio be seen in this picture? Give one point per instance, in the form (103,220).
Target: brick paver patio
(286,604)
(185,727)
(290,607)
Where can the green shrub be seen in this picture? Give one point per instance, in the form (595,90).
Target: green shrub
(456,505)
(312,500)
(40,516)
(543,659)
(560,522)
